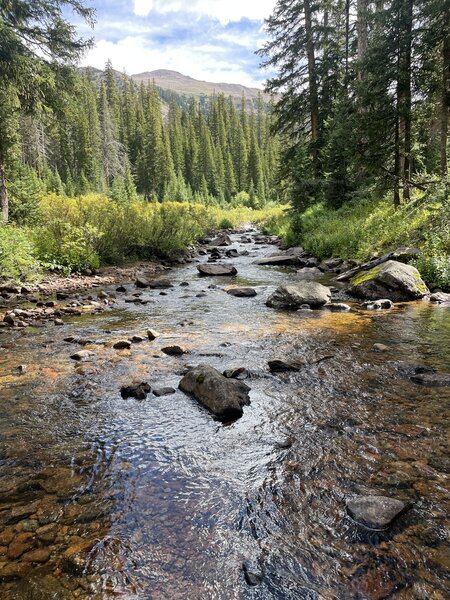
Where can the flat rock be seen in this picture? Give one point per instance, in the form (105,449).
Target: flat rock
(222,396)
(279,260)
(280,366)
(393,280)
(292,296)
(165,391)
(241,292)
(375,512)
(309,272)
(160,284)
(220,270)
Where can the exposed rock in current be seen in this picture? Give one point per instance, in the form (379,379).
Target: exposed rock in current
(440,298)
(122,345)
(152,334)
(380,348)
(377,304)
(392,279)
(280,366)
(223,239)
(136,390)
(160,284)
(82,355)
(432,379)
(309,272)
(279,260)
(241,292)
(211,270)
(375,512)
(252,575)
(337,307)
(173,350)
(222,396)
(165,391)
(141,282)
(292,296)
(238,373)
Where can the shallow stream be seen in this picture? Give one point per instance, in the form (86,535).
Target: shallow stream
(171,502)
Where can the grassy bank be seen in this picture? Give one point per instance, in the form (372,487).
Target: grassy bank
(364,228)
(76,234)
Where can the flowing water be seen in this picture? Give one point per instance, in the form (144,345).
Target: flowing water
(102,497)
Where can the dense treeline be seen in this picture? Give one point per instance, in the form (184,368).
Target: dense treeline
(365,93)
(115,137)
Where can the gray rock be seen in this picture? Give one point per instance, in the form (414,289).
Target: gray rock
(237,373)
(292,296)
(440,298)
(152,334)
(337,307)
(160,284)
(82,355)
(377,304)
(279,260)
(375,512)
(309,272)
(392,279)
(333,263)
(223,397)
(432,379)
(141,282)
(222,239)
(380,348)
(166,391)
(242,292)
(211,270)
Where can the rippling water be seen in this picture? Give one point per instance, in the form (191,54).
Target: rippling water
(174,502)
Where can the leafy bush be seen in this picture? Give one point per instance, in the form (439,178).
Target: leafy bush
(225,224)
(17,257)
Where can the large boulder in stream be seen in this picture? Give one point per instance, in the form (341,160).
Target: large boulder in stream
(392,279)
(292,296)
(223,397)
(223,239)
(211,270)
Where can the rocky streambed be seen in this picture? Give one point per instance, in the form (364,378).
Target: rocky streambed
(333,483)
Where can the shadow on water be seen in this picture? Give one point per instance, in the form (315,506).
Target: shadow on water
(104,497)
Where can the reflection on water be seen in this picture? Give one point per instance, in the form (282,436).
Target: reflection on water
(103,497)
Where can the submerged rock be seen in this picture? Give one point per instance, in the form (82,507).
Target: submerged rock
(392,279)
(252,574)
(211,270)
(222,396)
(292,296)
(165,391)
(375,512)
(309,272)
(279,366)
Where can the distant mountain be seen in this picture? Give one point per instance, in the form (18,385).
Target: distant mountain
(183,85)
(188,86)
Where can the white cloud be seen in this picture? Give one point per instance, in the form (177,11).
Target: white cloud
(136,54)
(224,11)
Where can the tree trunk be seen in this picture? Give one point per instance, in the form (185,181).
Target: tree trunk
(404,94)
(4,202)
(445,103)
(362,36)
(347,41)
(313,92)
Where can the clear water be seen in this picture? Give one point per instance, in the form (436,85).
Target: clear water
(175,501)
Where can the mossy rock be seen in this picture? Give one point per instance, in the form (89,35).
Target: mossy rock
(392,279)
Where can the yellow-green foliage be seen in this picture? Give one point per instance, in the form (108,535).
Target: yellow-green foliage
(84,232)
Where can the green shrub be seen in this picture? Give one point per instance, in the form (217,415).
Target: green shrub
(17,256)
(225,224)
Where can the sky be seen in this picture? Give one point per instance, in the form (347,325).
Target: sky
(211,40)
